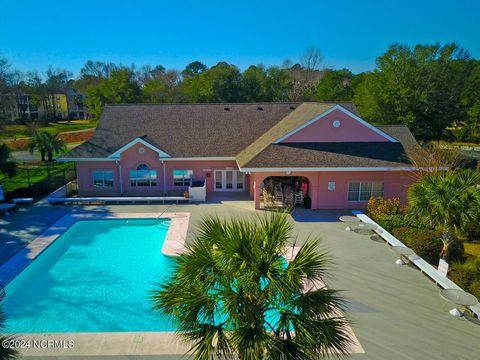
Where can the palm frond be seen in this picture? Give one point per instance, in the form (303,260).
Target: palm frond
(234,292)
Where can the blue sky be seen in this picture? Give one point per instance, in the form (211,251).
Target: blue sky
(35,34)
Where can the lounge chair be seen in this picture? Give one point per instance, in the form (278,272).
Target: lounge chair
(4,207)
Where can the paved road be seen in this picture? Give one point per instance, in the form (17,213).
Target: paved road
(26,156)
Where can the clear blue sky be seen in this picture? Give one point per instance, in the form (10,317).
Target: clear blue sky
(37,33)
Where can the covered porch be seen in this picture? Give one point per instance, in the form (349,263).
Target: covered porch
(284,189)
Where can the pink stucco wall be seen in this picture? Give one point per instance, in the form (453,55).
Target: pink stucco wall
(202,169)
(85,178)
(395,185)
(395,182)
(131,158)
(323,131)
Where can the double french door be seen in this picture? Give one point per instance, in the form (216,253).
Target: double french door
(229,180)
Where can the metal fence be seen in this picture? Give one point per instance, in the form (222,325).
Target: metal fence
(36,179)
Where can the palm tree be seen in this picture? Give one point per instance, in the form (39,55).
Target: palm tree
(7,166)
(233,294)
(6,353)
(449,201)
(47,144)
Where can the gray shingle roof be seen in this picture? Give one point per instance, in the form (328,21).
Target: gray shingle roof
(335,154)
(339,154)
(228,130)
(183,130)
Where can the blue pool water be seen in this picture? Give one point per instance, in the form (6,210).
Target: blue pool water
(96,277)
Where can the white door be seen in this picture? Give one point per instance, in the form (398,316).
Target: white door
(229,180)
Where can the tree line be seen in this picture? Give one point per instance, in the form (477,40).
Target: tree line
(433,89)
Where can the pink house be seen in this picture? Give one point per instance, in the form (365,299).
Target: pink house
(324,151)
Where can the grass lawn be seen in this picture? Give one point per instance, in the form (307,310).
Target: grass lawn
(19,131)
(38,176)
(472,248)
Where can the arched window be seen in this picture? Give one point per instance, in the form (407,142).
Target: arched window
(143,176)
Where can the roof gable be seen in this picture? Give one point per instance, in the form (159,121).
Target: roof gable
(116,154)
(335,125)
(292,121)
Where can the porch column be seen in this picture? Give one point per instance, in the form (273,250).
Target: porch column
(314,190)
(250,185)
(256,192)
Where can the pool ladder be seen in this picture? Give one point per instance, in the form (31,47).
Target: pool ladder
(160,221)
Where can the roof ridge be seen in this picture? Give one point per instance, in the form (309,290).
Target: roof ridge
(186,104)
(392,125)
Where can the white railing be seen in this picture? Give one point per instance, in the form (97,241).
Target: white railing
(421,264)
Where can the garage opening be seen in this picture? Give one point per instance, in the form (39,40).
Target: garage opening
(285,192)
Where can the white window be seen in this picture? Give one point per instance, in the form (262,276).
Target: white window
(102,178)
(363,191)
(218,179)
(143,176)
(182,177)
(240,180)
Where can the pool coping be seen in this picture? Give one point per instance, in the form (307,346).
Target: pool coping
(173,245)
(109,343)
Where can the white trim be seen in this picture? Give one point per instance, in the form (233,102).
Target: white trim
(213,158)
(360,189)
(117,153)
(341,108)
(84,159)
(234,188)
(310,169)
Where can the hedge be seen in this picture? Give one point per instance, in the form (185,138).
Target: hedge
(428,244)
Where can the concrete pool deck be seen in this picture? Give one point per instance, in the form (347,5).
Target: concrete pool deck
(396,312)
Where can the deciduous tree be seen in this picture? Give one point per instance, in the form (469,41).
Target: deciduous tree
(419,87)
(120,88)
(335,85)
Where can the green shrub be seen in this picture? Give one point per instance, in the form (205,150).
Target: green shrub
(403,233)
(428,244)
(456,251)
(390,222)
(465,274)
(475,288)
(378,207)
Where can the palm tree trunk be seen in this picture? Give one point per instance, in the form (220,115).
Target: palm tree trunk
(447,239)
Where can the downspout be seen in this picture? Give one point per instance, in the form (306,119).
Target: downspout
(164,179)
(120,177)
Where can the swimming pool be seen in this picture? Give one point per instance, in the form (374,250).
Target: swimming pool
(94,278)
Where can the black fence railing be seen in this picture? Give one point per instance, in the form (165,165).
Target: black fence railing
(36,179)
